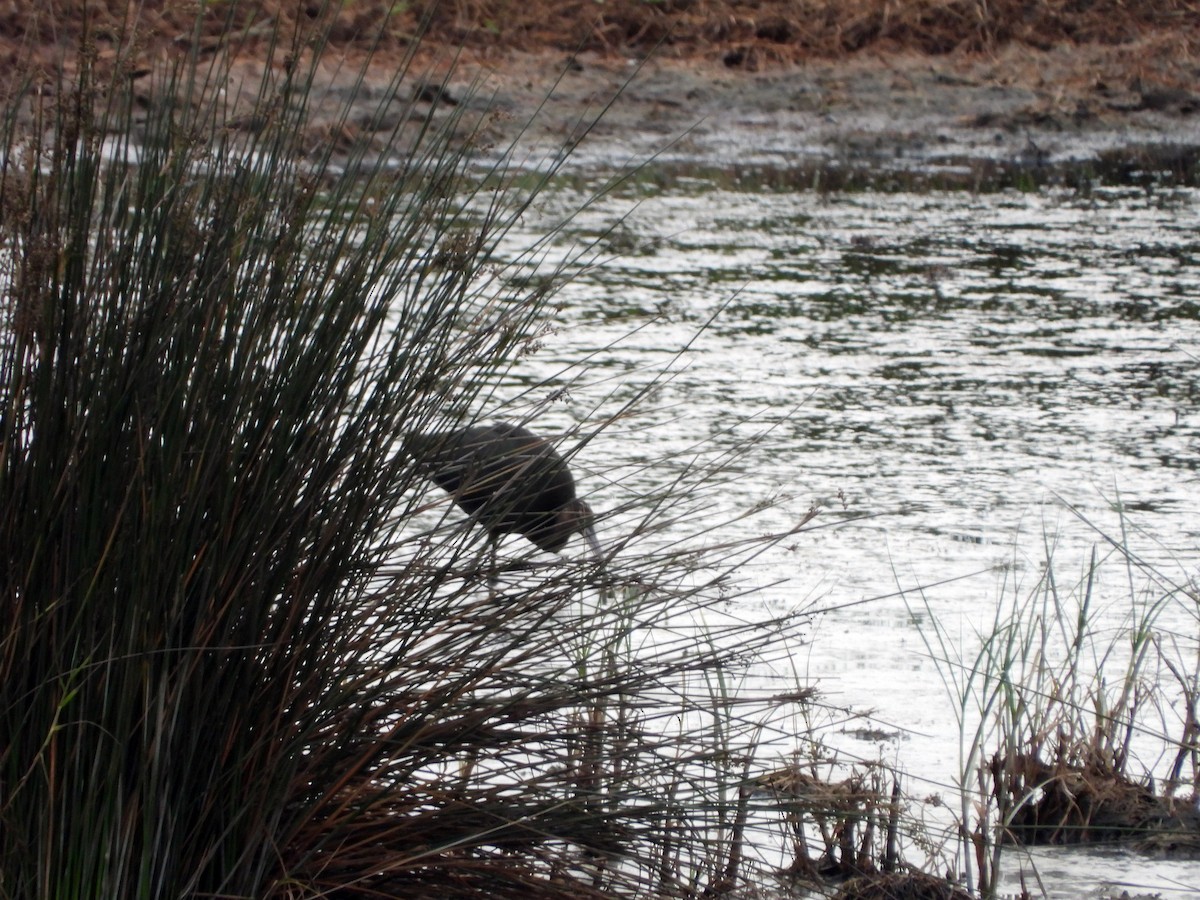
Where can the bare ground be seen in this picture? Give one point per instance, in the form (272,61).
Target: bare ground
(889,111)
(961,118)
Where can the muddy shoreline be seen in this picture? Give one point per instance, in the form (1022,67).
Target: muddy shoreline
(941,117)
(1015,117)
(870,88)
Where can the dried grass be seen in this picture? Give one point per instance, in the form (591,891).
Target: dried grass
(916,886)
(242,654)
(1074,800)
(770,30)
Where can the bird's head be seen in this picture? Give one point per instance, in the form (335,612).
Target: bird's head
(578,516)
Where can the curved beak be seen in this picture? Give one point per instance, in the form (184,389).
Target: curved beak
(594,542)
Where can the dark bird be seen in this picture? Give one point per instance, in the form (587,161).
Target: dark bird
(510,480)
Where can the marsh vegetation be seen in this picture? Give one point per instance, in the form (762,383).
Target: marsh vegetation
(248,651)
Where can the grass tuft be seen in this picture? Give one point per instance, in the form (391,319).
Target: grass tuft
(1067,721)
(247,651)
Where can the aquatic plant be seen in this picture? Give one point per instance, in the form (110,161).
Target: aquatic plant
(1065,723)
(246,651)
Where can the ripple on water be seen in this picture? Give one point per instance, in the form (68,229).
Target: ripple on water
(952,366)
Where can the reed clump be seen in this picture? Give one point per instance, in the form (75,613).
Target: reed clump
(900,886)
(1068,726)
(853,822)
(245,651)
(1062,802)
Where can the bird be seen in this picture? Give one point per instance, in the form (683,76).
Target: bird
(510,480)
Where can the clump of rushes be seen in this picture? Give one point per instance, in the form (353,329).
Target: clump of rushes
(1062,714)
(237,656)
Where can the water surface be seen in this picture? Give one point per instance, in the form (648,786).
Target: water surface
(964,383)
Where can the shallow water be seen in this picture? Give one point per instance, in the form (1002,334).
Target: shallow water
(964,384)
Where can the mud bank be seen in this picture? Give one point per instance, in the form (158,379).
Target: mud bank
(952,118)
(1013,117)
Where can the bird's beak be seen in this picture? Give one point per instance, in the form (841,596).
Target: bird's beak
(594,543)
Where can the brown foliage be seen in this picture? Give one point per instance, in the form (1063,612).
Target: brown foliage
(811,27)
(1060,803)
(915,886)
(775,29)
(848,816)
